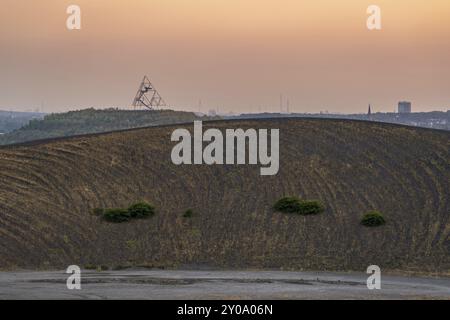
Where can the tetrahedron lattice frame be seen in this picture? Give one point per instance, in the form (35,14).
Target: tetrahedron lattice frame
(147,96)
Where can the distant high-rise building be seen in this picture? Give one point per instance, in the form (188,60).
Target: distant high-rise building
(404,107)
(369,112)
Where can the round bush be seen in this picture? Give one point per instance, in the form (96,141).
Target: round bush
(373,219)
(141,210)
(310,207)
(295,205)
(116,215)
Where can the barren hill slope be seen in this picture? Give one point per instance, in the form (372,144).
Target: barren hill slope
(48,191)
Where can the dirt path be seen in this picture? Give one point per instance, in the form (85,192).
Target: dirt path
(217,285)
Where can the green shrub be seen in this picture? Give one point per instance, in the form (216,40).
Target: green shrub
(295,205)
(141,210)
(116,215)
(138,210)
(188,213)
(311,207)
(287,204)
(373,219)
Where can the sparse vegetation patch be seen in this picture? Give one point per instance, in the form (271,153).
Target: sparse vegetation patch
(116,215)
(373,219)
(188,213)
(96,267)
(139,210)
(298,206)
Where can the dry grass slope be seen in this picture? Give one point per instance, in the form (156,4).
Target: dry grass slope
(48,190)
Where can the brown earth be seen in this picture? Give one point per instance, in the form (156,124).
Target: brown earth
(48,191)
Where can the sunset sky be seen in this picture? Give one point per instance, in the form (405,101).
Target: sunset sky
(235,55)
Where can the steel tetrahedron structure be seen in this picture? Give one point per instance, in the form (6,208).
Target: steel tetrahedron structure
(148,97)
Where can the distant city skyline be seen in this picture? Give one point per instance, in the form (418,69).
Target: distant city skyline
(238,56)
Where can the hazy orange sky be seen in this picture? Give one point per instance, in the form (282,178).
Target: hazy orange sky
(235,55)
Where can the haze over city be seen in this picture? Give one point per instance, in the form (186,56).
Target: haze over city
(232,55)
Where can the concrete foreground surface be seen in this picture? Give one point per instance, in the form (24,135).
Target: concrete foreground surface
(175,284)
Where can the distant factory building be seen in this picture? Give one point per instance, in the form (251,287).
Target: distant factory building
(404,107)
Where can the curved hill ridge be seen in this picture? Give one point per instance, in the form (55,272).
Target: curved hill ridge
(48,191)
